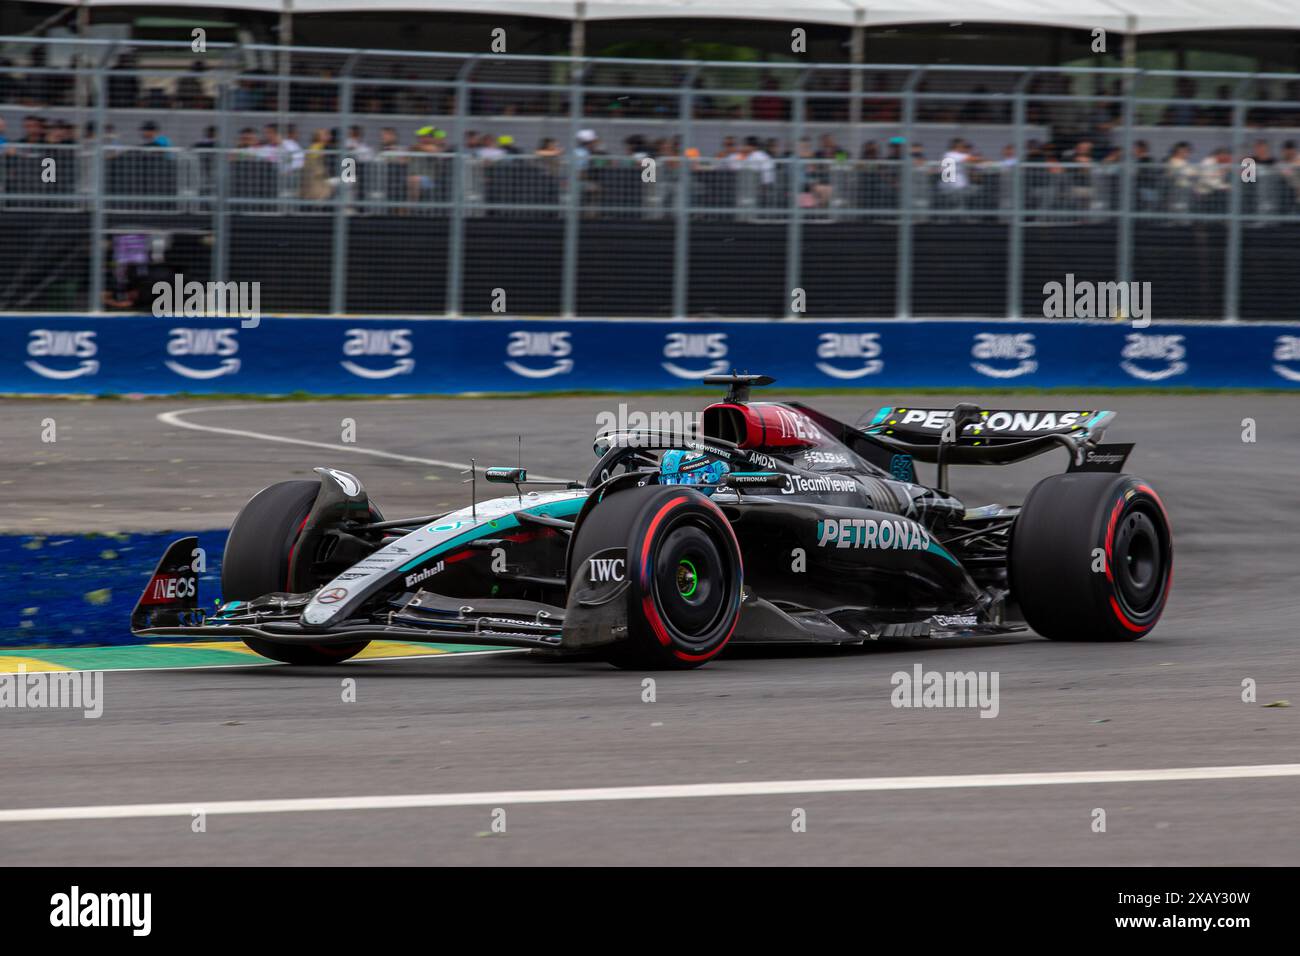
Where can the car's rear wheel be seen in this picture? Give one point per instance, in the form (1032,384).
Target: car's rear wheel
(257,558)
(1091,558)
(683,573)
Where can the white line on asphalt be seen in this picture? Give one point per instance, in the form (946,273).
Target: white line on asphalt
(174,419)
(671,791)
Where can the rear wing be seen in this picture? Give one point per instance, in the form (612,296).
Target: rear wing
(969,435)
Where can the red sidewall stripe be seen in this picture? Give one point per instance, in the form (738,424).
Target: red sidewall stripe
(647,604)
(1169,559)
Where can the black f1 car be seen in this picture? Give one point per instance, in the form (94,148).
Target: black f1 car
(797,527)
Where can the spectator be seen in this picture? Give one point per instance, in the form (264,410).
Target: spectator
(1181,114)
(767,105)
(759,160)
(1289,171)
(286,154)
(549,152)
(248,144)
(954,178)
(490,149)
(814,183)
(588,146)
(3,139)
(1213,182)
(1179,164)
(1182,176)
(1262,153)
(356,146)
(123,91)
(881,109)
(317,183)
(829,149)
(59,133)
(189,89)
(33,130)
(150,136)
(292,149)
(209,140)
(507,144)
(422,167)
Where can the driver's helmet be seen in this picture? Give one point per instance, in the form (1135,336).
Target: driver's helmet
(690,468)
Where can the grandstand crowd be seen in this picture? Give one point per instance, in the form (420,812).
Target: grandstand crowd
(269,161)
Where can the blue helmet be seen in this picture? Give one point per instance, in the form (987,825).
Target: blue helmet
(690,468)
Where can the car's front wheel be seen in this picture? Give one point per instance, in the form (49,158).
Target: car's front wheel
(682,568)
(257,559)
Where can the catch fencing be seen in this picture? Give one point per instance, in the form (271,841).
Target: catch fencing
(369,182)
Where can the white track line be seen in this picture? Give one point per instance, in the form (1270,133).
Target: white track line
(174,419)
(672,791)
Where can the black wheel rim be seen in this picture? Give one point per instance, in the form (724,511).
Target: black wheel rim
(1139,560)
(691,578)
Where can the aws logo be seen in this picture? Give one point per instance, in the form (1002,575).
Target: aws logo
(692,345)
(221,343)
(1168,350)
(1002,347)
(554,346)
(57,343)
(386,343)
(1286,349)
(864,348)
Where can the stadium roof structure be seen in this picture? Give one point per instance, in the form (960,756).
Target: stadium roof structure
(1129,16)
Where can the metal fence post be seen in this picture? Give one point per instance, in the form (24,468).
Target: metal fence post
(903,280)
(682,205)
(339,255)
(1232,257)
(794,228)
(1124,253)
(224,153)
(569,271)
(456,224)
(96,303)
(1015,234)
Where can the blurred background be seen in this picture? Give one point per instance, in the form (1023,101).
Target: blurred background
(653,158)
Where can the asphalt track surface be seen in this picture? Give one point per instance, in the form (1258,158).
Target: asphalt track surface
(510,722)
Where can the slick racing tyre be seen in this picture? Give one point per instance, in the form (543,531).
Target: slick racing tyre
(683,571)
(1091,558)
(256,562)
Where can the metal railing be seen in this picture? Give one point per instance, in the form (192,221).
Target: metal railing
(414,185)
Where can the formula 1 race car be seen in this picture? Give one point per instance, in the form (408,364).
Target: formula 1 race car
(775,523)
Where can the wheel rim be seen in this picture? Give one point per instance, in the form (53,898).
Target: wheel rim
(1139,561)
(691,574)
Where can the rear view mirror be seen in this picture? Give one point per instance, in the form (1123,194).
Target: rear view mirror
(506,476)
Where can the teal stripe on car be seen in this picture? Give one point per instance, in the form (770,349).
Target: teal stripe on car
(562,509)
